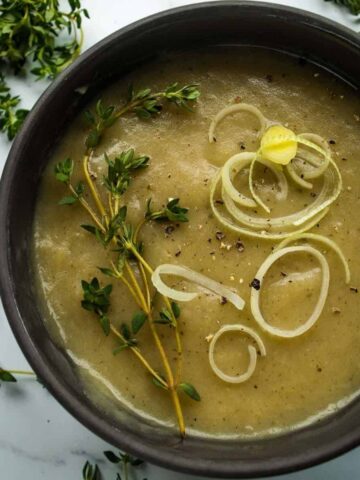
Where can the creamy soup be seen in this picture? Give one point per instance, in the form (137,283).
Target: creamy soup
(300,379)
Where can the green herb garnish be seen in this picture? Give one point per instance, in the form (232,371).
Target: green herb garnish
(124,461)
(9,375)
(29,35)
(6,376)
(352,5)
(11,117)
(144,103)
(91,472)
(172,212)
(111,227)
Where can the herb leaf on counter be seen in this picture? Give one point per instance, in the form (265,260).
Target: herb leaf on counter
(124,460)
(6,376)
(11,117)
(91,472)
(352,5)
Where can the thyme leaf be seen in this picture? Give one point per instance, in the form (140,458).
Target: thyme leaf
(138,321)
(97,300)
(190,391)
(6,376)
(120,171)
(172,212)
(91,472)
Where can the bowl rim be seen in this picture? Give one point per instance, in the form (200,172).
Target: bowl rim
(72,404)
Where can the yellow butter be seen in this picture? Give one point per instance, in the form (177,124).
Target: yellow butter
(278,145)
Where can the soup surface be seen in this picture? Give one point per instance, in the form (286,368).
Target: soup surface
(300,379)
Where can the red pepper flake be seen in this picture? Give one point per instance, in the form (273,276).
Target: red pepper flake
(255,284)
(332,142)
(354,289)
(219,202)
(219,235)
(178,253)
(223,301)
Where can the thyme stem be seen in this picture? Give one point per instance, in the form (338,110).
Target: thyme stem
(87,208)
(170,377)
(142,359)
(21,372)
(137,288)
(168,304)
(93,189)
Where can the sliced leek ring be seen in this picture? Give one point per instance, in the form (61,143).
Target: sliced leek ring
(252,353)
(322,239)
(249,230)
(236,108)
(196,278)
(260,275)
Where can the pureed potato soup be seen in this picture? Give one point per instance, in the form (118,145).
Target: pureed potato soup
(223,317)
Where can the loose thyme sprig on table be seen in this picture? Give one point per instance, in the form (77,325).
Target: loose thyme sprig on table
(111,227)
(125,462)
(9,375)
(352,5)
(29,33)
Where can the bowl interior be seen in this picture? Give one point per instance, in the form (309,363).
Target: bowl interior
(217,23)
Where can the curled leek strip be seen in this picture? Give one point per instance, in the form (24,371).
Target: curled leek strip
(238,162)
(318,144)
(322,239)
(230,195)
(250,231)
(238,107)
(255,294)
(196,278)
(252,353)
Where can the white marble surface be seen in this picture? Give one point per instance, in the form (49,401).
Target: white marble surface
(38,438)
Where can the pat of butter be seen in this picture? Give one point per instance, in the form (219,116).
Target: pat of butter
(278,145)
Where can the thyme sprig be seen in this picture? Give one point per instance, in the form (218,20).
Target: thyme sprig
(123,460)
(9,375)
(144,103)
(111,226)
(172,212)
(11,117)
(352,5)
(91,472)
(29,34)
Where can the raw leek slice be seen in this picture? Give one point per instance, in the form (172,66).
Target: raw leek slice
(322,239)
(238,107)
(260,275)
(252,353)
(193,277)
(306,156)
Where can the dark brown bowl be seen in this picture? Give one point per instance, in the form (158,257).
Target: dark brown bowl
(294,31)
